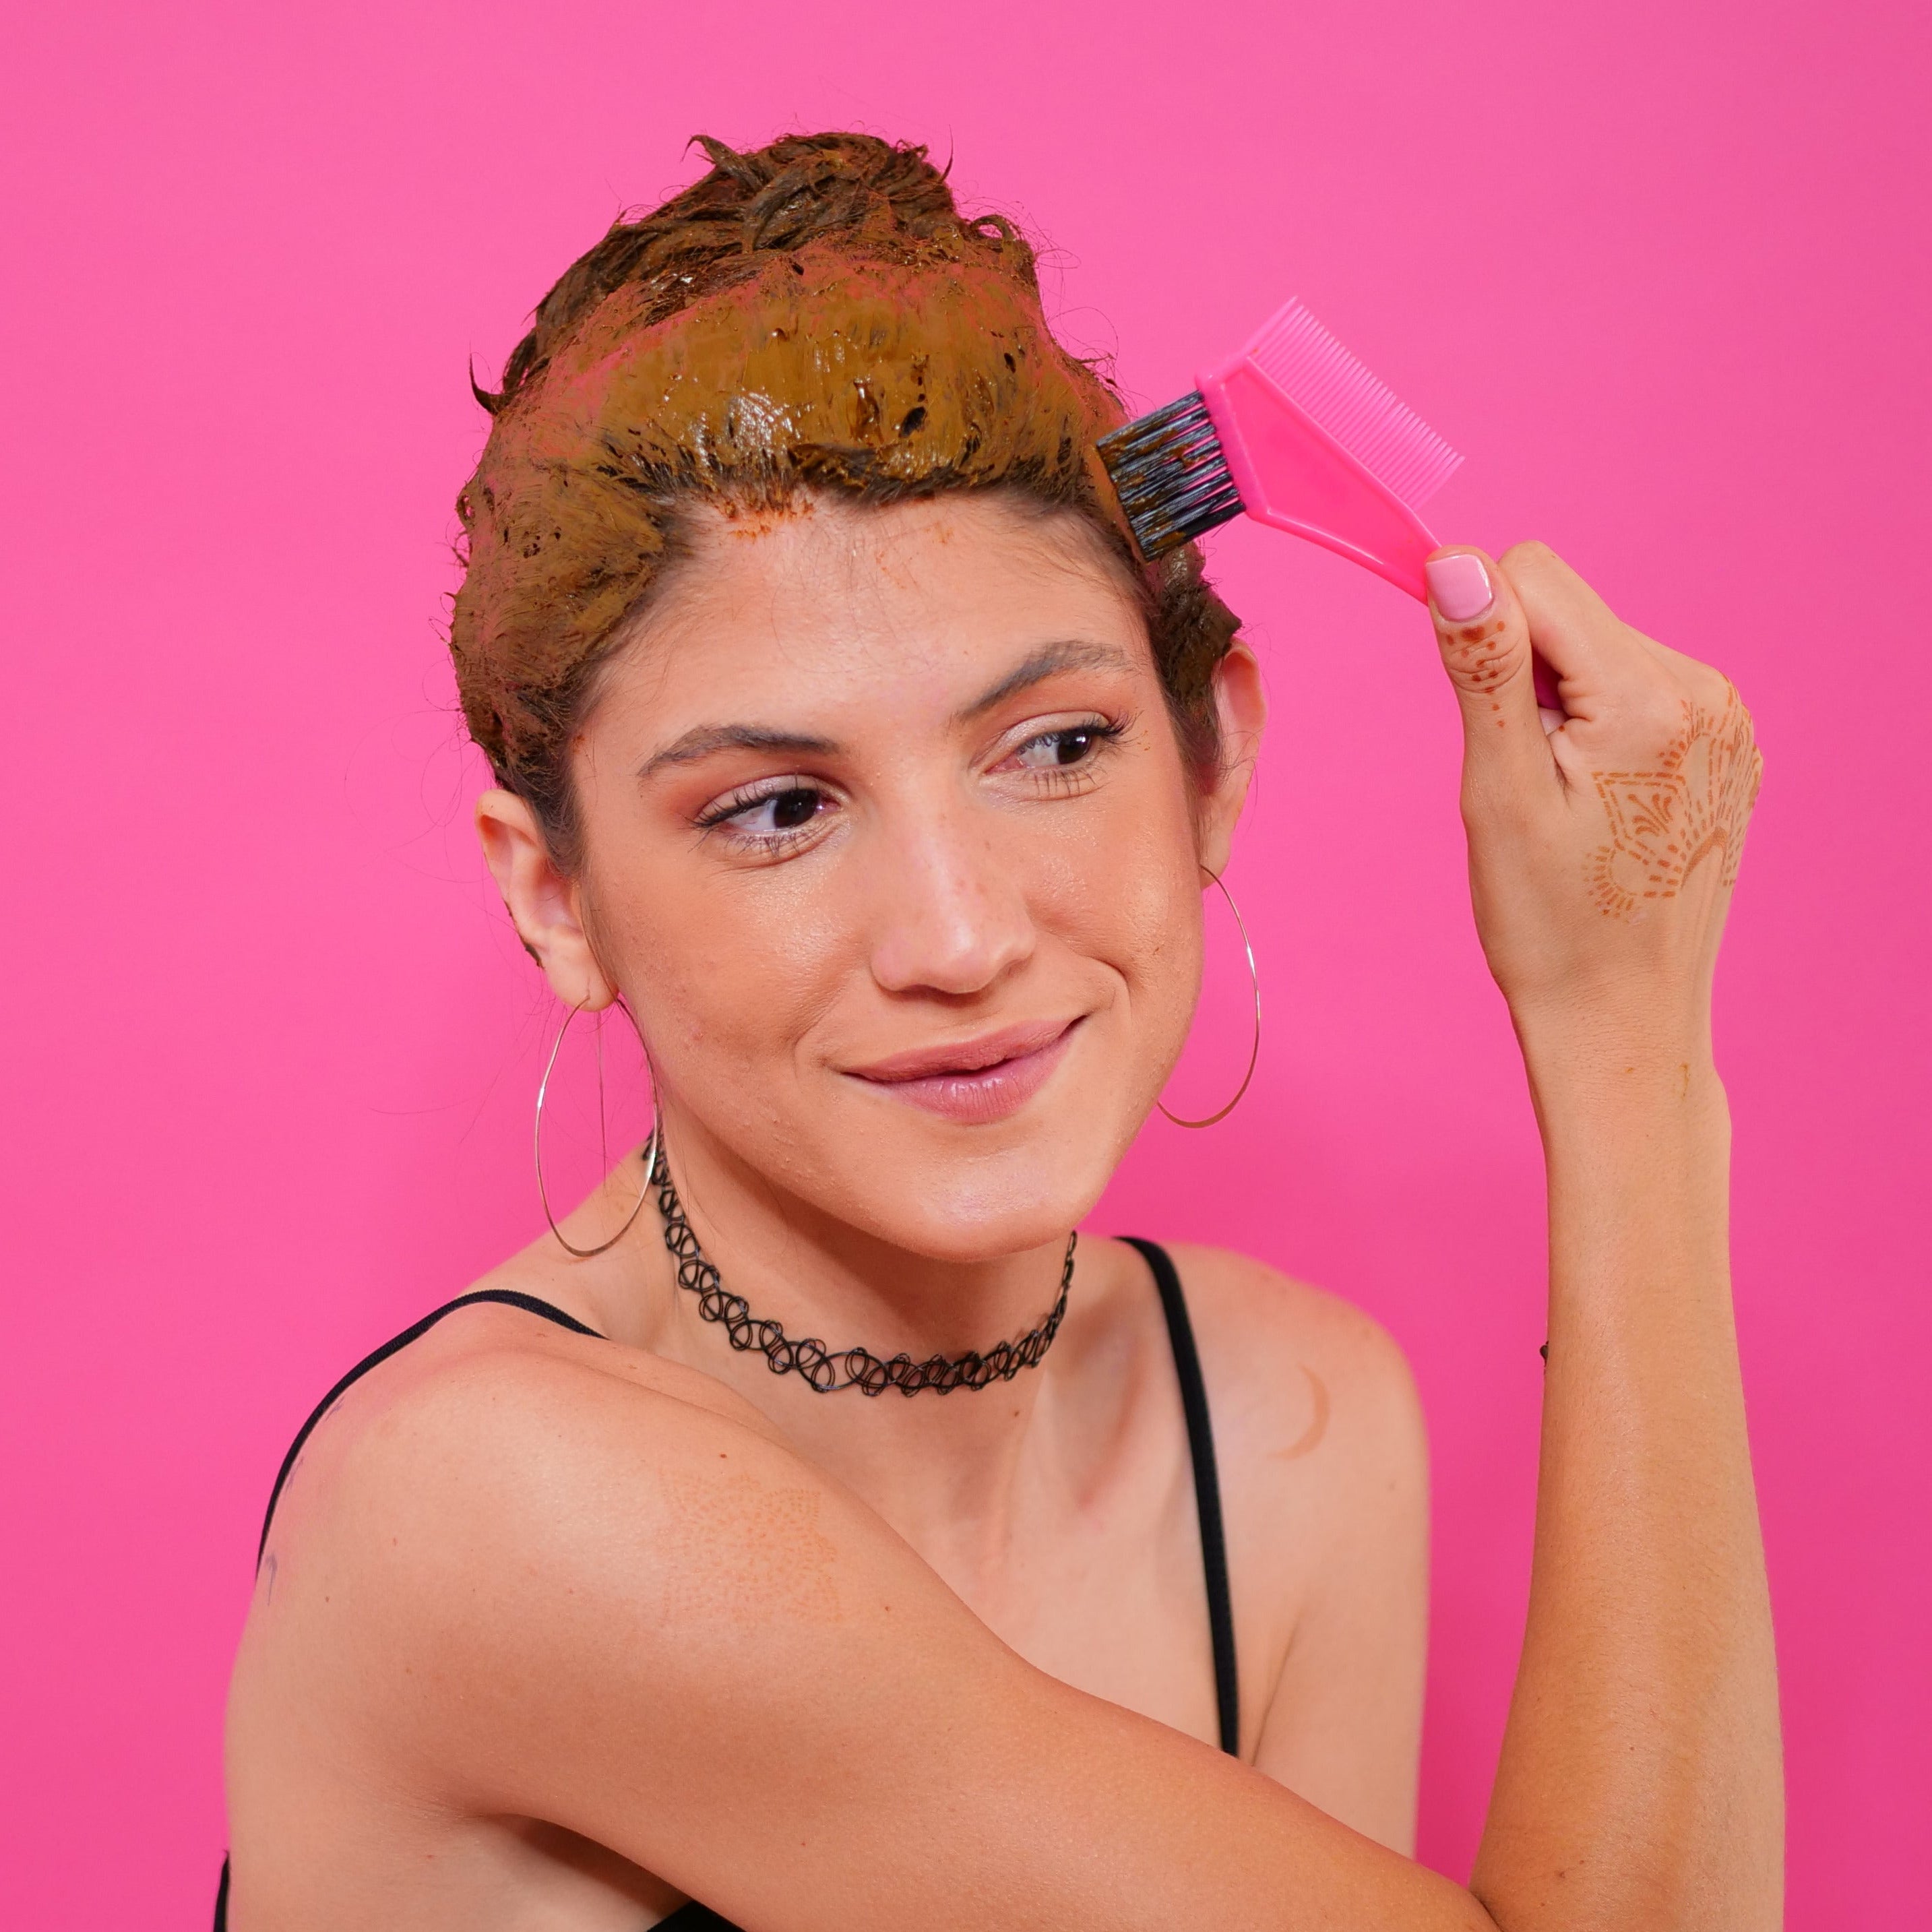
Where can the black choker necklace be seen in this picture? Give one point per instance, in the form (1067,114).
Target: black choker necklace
(827,1371)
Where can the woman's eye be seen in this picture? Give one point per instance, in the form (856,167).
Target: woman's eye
(1055,750)
(779,811)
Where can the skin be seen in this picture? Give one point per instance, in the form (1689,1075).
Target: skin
(553,1631)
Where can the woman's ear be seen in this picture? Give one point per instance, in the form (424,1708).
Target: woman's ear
(544,905)
(1240,709)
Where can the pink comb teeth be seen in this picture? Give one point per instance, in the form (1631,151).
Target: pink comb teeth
(1296,432)
(1357,408)
(1316,444)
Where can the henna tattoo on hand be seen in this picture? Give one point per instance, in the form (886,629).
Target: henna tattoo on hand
(1664,824)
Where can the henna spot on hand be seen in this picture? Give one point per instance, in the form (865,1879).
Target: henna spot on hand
(1468,659)
(1664,824)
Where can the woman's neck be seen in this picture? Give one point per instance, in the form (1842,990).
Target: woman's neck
(948,1471)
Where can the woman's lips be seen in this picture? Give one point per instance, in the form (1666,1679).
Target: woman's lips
(977,1080)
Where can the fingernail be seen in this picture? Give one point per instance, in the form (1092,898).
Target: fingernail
(1459,585)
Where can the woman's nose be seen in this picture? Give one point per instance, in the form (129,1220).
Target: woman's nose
(951,912)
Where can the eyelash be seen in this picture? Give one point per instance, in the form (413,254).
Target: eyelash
(737,804)
(1060,778)
(1102,731)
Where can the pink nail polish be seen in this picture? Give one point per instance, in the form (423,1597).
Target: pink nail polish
(1459,586)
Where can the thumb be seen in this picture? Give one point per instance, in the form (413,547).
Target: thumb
(1484,636)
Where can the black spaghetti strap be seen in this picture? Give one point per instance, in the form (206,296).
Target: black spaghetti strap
(510,1298)
(1207,1488)
(692,1917)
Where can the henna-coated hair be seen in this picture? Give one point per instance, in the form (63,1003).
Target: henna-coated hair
(813,316)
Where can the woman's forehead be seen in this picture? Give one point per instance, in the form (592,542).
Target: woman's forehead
(833,607)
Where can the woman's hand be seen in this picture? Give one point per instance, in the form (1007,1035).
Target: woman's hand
(1603,840)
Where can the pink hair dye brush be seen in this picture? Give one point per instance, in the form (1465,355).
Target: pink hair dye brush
(1294,431)
(1297,433)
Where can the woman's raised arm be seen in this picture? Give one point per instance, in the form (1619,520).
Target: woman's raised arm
(1640,1780)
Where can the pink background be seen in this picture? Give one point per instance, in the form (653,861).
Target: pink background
(1659,270)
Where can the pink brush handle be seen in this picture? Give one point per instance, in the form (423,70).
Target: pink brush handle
(1293,474)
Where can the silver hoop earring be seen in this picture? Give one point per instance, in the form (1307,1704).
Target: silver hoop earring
(1255,1050)
(650,1162)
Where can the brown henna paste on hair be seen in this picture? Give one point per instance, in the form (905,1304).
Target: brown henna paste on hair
(814,316)
(818,372)
(1694,806)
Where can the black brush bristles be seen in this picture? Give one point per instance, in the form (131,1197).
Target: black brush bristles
(1169,474)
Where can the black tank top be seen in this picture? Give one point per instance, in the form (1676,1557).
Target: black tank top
(693,1917)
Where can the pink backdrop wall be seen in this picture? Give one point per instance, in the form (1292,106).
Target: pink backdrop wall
(1660,270)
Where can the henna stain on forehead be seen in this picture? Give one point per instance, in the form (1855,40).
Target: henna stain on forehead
(1665,822)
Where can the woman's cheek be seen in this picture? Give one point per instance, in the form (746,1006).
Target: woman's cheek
(735,986)
(1161,937)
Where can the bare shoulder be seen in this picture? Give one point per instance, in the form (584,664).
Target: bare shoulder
(1262,1326)
(496,1443)
(494,1402)
(1308,1390)
(529,1574)
(488,1362)
(562,1521)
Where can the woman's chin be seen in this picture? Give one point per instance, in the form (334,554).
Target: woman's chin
(964,1206)
(929,1182)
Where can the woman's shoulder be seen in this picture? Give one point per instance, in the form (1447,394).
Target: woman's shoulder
(1299,1379)
(516,1342)
(495,1391)
(499,1459)
(514,1575)
(1244,1309)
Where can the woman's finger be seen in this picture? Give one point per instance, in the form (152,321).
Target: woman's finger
(1589,649)
(1484,635)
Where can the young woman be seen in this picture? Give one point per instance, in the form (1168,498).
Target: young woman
(842,738)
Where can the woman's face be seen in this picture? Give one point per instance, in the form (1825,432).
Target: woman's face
(889,847)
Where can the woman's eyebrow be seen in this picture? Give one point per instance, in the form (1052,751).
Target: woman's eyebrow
(1048,661)
(701,740)
(1066,654)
